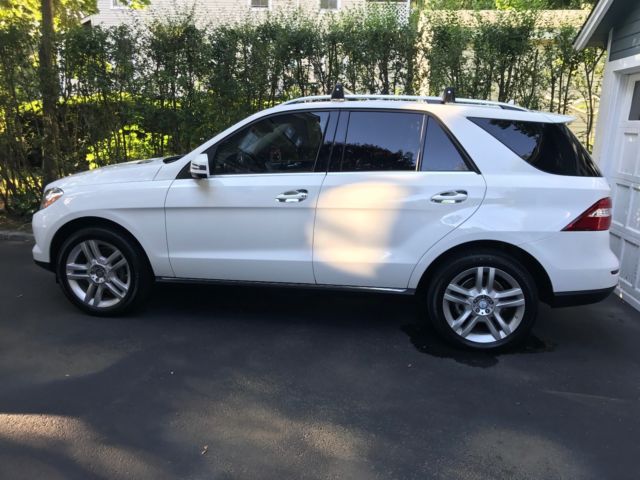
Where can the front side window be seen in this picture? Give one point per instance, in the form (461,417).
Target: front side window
(329,4)
(286,143)
(381,141)
(550,147)
(440,154)
(259,3)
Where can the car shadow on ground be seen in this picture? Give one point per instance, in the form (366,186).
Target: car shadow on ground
(309,306)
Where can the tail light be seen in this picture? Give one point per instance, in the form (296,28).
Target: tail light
(596,218)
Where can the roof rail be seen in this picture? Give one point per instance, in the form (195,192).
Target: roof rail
(408,98)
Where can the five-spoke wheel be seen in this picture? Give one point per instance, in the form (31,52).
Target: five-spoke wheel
(483,304)
(102,271)
(98,273)
(483,299)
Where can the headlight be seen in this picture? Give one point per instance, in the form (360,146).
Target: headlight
(50,196)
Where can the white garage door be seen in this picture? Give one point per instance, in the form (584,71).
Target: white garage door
(625,183)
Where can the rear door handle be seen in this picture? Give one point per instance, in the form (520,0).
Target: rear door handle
(454,196)
(293,196)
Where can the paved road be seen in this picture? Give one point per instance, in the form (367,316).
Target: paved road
(251,383)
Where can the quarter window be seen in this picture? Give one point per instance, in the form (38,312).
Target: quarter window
(381,141)
(550,147)
(440,153)
(287,143)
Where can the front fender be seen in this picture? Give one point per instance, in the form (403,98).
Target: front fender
(138,207)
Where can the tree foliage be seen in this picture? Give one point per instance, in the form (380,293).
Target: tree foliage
(163,88)
(515,58)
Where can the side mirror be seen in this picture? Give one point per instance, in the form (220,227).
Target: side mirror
(200,166)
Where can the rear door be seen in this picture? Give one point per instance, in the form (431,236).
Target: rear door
(397,183)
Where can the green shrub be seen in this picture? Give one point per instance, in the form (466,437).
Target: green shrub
(164,88)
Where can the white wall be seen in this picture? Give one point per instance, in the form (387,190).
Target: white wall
(207,11)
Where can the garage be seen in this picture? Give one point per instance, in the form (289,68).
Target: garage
(615,24)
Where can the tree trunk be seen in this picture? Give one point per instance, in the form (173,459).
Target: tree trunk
(49,90)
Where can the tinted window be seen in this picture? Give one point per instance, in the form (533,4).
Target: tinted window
(327,145)
(381,141)
(550,147)
(285,143)
(440,154)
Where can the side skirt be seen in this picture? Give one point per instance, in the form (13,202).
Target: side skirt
(310,286)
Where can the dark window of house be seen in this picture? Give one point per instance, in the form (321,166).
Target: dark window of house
(259,3)
(440,154)
(378,141)
(550,147)
(329,4)
(286,143)
(634,113)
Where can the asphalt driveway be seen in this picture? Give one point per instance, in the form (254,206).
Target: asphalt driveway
(252,383)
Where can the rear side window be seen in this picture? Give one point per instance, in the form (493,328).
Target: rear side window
(550,147)
(381,141)
(440,153)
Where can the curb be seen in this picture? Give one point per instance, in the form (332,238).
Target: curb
(14,235)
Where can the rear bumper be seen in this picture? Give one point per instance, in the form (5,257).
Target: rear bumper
(585,297)
(577,263)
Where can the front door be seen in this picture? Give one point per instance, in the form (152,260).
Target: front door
(625,183)
(397,184)
(252,219)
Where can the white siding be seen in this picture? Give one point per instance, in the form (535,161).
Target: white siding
(207,11)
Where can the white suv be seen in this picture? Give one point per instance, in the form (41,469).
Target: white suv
(480,209)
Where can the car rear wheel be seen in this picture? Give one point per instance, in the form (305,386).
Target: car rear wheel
(484,300)
(103,272)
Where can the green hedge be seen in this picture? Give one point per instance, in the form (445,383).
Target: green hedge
(163,88)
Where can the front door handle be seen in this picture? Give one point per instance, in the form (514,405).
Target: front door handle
(292,196)
(454,196)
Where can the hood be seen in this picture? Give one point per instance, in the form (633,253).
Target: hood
(135,171)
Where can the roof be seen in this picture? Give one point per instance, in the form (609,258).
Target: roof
(604,16)
(460,108)
(408,98)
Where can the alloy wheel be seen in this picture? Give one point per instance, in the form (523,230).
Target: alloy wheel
(483,304)
(98,273)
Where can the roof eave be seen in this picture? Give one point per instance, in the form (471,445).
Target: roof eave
(584,37)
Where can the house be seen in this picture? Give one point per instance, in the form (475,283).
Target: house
(116,12)
(615,24)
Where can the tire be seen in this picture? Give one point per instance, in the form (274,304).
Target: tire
(493,317)
(103,272)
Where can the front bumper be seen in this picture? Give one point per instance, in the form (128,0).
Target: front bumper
(45,265)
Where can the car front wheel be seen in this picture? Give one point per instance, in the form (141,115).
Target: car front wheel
(102,271)
(483,300)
